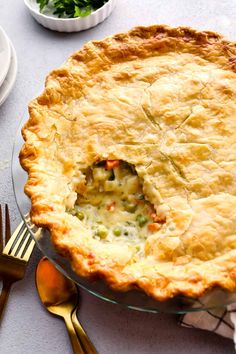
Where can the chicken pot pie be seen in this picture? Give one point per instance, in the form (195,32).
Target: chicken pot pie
(131,157)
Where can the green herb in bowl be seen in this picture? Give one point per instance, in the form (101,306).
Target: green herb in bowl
(71,8)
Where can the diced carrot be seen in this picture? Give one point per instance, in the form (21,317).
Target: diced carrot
(158,218)
(111,207)
(110,164)
(153,227)
(153,216)
(139,202)
(150,209)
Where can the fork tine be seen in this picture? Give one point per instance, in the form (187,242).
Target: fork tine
(23,247)
(15,236)
(29,250)
(16,247)
(20,243)
(1,233)
(7,224)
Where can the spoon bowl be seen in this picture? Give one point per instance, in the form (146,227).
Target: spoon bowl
(60,296)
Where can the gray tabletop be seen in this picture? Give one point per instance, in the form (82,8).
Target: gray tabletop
(27,328)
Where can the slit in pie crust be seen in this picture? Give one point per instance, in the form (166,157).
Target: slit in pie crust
(162,102)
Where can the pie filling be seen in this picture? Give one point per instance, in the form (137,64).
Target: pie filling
(114,206)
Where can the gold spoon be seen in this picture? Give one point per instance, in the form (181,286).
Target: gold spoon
(60,296)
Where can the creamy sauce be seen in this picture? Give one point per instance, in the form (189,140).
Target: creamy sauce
(113,207)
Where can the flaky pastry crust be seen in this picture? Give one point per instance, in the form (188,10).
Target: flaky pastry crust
(162,99)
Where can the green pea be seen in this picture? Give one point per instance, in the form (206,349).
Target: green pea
(80,215)
(72,212)
(141,219)
(102,231)
(117,231)
(130,207)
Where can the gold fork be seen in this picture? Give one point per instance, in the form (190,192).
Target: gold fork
(14,257)
(7,227)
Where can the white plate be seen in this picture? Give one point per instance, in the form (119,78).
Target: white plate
(10,78)
(5,55)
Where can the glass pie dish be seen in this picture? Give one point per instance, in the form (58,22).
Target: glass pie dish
(134,299)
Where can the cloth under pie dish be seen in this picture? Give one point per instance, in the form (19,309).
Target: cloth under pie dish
(160,104)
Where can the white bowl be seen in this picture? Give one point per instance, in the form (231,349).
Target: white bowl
(70,24)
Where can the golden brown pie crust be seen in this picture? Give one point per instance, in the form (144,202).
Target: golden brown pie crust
(164,100)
